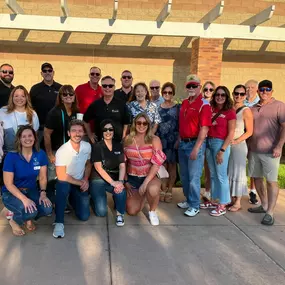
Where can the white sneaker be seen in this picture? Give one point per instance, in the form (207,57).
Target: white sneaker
(183,205)
(154,220)
(9,215)
(58,231)
(191,212)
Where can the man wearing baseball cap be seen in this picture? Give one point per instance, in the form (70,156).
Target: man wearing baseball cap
(265,149)
(194,122)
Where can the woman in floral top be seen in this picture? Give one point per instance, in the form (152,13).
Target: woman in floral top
(140,103)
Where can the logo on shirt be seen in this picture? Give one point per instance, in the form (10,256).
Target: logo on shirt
(35,161)
(115,111)
(117,152)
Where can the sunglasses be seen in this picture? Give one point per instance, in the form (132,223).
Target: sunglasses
(107,130)
(239,94)
(139,123)
(208,89)
(108,85)
(68,94)
(167,92)
(191,86)
(221,95)
(127,77)
(267,89)
(47,71)
(95,73)
(8,72)
(154,87)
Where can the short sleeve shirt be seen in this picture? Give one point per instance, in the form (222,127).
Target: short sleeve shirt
(193,116)
(219,128)
(111,160)
(250,104)
(74,161)
(267,120)
(5,92)
(25,173)
(122,95)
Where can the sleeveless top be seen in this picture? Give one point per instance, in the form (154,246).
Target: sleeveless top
(240,127)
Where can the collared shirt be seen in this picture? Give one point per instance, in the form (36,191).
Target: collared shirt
(122,95)
(25,173)
(4,94)
(43,99)
(250,104)
(74,161)
(116,110)
(86,95)
(193,116)
(158,101)
(267,126)
(151,110)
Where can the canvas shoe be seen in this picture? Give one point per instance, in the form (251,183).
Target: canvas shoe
(154,220)
(58,231)
(120,220)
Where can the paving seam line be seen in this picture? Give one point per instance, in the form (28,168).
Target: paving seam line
(109,251)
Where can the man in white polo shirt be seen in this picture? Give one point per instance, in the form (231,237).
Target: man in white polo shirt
(73,167)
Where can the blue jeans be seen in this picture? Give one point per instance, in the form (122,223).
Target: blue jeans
(17,207)
(219,172)
(77,199)
(99,197)
(191,172)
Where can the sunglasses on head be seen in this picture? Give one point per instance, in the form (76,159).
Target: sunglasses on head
(108,130)
(208,89)
(267,89)
(242,94)
(95,73)
(107,85)
(8,72)
(154,87)
(139,123)
(67,94)
(221,95)
(191,86)
(127,77)
(167,92)
(47,70)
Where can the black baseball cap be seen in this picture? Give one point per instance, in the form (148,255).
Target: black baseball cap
(265,83)
(46,64)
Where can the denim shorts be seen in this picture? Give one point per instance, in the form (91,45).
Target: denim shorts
(135,181)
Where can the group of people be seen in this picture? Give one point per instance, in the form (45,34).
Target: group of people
(128,141)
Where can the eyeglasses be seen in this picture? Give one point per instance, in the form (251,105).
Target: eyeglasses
(208,89)
(239,94)
(47,70)
(221,95)
(193,86)
(127,77)
(108,85)
(154,87)
(107,130)
(139,123)
(8,72)
(167,92)
(95,73)
(68,94)
(267,89)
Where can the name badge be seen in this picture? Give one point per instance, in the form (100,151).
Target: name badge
(37,167)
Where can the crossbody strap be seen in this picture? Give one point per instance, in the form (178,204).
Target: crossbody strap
(216,116)
(239,109)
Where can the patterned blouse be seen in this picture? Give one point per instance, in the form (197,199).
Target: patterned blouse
(151,110)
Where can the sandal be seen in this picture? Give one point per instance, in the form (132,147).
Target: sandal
(168,197)
(208,205)
(234,208)
(219,211)
(162,196)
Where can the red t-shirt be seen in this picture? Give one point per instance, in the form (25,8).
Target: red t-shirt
(219,128)
(193,116)
(86,95)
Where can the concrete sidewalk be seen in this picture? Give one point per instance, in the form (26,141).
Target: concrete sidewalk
(228,250)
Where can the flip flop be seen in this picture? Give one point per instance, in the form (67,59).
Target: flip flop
(234,208)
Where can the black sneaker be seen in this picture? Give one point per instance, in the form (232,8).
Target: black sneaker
(252,198)
(120,220)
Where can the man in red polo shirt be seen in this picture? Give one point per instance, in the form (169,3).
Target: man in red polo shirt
(88,92)
(194,122)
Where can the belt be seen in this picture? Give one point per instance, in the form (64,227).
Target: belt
(189,139)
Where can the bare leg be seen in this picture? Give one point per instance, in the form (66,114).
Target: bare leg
(236,205)
(259,184)
(152,193)
(252,185)
(172,176)
(135,203)
(272,193)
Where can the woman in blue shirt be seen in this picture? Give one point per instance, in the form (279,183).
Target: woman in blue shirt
(20,191)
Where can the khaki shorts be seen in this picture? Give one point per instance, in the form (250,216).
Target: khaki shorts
(263,165)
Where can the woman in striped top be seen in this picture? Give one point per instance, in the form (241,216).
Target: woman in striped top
(144,156)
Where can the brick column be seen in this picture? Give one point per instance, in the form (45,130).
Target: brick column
(206,59)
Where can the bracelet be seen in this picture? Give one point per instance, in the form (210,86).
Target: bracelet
(42,190)
(222,150)
(123,181)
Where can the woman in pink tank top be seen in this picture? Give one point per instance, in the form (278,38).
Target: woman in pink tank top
(144,156)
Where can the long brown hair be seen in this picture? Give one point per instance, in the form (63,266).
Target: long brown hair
(66,89)
(229,101)
(133,96)
(28,107)
(148,136)
(18,138)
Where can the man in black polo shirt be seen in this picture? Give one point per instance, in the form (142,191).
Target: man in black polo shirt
(43,95)
(107,107)
(6,78)
(124,93)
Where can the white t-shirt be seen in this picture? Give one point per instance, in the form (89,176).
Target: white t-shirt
(74,161)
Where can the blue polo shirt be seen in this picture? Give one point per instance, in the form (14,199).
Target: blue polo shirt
(25,173)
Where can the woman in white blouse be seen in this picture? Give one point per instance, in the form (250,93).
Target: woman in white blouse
(18,112)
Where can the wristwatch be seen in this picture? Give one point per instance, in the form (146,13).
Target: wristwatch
(222,150)
(42,190)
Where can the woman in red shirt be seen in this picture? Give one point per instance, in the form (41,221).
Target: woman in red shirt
(220,135)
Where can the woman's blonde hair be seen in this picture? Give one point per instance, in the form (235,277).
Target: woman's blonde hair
(148,136)
(29,109)
(18,138)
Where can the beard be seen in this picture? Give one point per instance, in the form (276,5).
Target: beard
(7,79)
